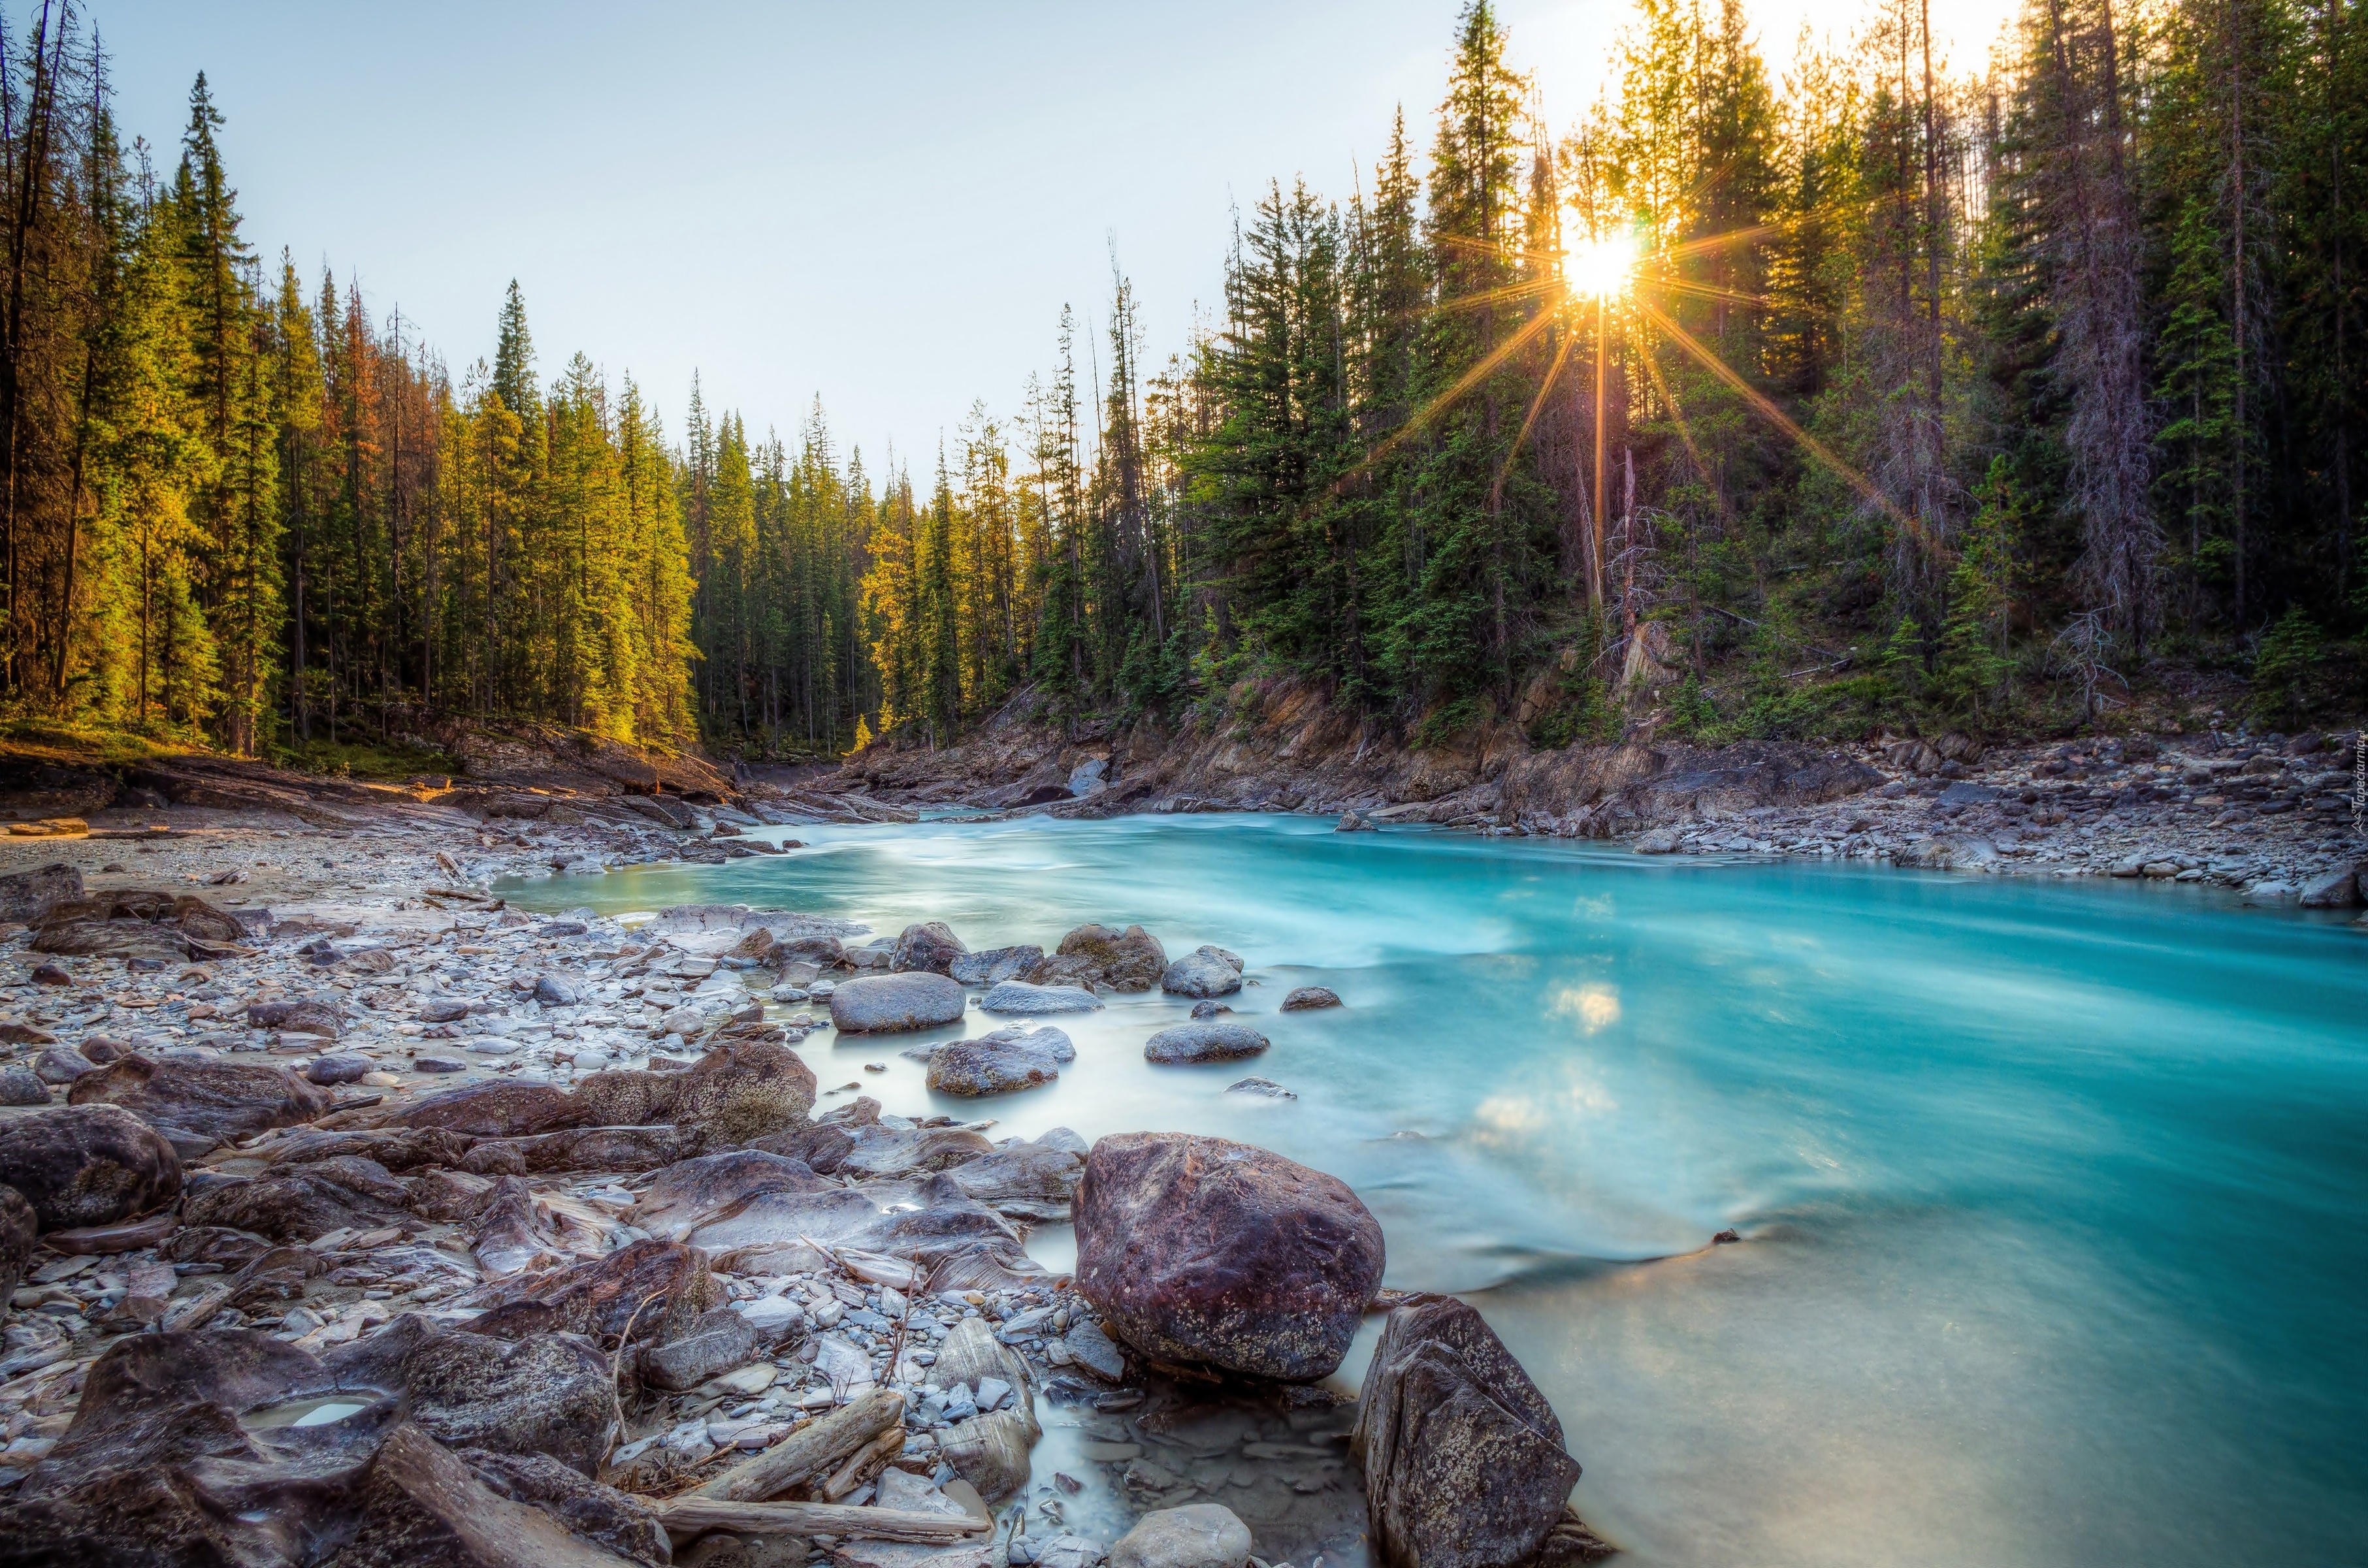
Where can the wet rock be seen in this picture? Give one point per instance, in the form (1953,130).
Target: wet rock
(1022,1179)
(1656,841)
(1266,1088)
(298,1203)
(1129,961)
(990,1451)
(931,947)
(1308,998)
(1095,1350)
(1202,1250)
(58,1065)
(691,1192)
(895,1002)
(20,1085)
(995,965)
(20,1229)
(309,1015)
(495,1107)
(508,1235)
(601,1514)
(2331,890)
(1202,972)
(87,1164)
(341,1067)
(652,1289)
(28,896)
(548,1393)
(1000,1062)
(395,1148)
(1197,1535)
(1188,1043)
(558,991)
(424,1508)
(1464,1458)
(1354,822)
(1210,1009)
(198,1104)
(1038,1001)
(717,1343)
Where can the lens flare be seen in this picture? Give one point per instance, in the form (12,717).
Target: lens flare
(1601,268)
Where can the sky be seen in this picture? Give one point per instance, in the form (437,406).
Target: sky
(885,205)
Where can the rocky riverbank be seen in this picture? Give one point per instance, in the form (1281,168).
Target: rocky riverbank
(349,1216)
(2274,816)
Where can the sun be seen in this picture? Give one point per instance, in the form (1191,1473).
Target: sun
(1601,268)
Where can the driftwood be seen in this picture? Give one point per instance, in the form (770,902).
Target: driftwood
(869,1461)
(802,1455)
(691,1515)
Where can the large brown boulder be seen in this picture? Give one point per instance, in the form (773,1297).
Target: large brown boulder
(299,1203)
(931,946)
(130,925)
(743,1090)
(87,1164)
(29,896)
(1464,1459)
(198,1104)
(644,1289)
(549,1393)
(1202,1250)
(1130,959)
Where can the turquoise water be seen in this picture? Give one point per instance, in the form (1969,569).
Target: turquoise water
(2051,1191)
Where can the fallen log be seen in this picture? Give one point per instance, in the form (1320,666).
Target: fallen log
(693,1514)
(816,1449)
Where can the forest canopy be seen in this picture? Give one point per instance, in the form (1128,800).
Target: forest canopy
(1765,399)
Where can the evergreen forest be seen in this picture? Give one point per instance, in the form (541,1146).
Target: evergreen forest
(1786,392)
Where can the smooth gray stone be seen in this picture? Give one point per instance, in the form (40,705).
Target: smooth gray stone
(1018,996)
(880,1002)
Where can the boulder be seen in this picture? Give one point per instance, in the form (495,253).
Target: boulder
(1354,822)
(995,965)
(883,1003)
(139,925)
(1204,971)
(2331,890)
(1464,1459)
(443,1010)
(339,1067)
(27,896)
(302,1015)
(929,948)
(81,1165)
(1197,1535)
(559,991)
(296,1203)
(1023,1180)
(1309,998)
(1204,1250)
(717,1343)
(1010,996)
(198,1104)
(495,1107)
(1188,1043)
(1130,959)
(650,1288)
(743,1090)
(1656,841)
(997,1063)
(547,1393)
(58,1065)
(20,1085)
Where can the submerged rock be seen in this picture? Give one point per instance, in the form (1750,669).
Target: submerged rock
(997,1063)
(81,1165)
(1038,1001)
(1309,998)
(1187,1043)
(995,965)
(1464,1458)
(1197,1535)
(1205,971)
(1202,1250)
(884,1003)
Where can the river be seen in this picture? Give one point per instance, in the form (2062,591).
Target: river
(2050,1191)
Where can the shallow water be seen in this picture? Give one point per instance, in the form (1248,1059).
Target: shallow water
(2049,1190)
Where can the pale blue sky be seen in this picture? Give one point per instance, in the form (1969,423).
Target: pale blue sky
(886,204)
